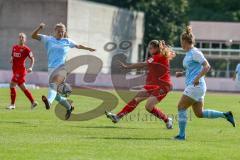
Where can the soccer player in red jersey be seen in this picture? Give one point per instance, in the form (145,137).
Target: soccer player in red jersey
(20,52)
(158,83)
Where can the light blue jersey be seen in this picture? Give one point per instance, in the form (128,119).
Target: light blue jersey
(238,72)
(56,49)
(192,62)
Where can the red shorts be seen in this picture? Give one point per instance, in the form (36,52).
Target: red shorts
(157,91)
(19,77)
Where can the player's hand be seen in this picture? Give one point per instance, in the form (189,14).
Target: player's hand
(29,70)
(122,65)
(91,49)
(196,82)
(11,61)
(42,25)
(179,74)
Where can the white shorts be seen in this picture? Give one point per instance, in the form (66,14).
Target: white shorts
(59,71)
(195,92)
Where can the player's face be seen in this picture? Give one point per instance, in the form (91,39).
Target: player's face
(22,38)
(60,32)
(184,45)
(152,49)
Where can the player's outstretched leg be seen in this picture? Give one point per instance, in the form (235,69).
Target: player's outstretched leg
(127,109)
(151,108)
(207,113)
(67,104)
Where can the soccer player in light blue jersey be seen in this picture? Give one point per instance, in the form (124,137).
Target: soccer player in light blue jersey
(236,76)
(57,48)
(196,66)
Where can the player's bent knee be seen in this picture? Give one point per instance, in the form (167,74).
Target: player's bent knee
(199,115)
(149,108)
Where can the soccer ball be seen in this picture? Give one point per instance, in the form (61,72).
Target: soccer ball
(64,89)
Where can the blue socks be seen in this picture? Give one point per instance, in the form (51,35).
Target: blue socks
(52,95)
(212,114)
(52,92)
(182,122)
(63,101)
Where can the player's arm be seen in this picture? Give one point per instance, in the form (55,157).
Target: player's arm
(140,65)
(35,33)
(205,69)
(180,73)
(85,48)
(32,60)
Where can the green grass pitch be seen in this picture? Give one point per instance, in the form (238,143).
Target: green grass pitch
(40,135)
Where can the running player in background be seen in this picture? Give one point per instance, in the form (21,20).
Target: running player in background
(57,48)
(196,66)
(20,52)
(236,76)
(158,83)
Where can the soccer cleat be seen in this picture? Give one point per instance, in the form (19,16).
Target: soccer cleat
(69,112)
(230,118)
(169,124)
(180,138)
(45,101)
(112,116)
(11,107)
(34,104)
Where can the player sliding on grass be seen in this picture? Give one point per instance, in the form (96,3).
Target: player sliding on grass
(158,83)
(196,67)
(20,52)
(57,48)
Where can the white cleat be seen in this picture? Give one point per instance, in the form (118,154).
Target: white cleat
(11,107)
(169,124)
(112,116)
(34,104)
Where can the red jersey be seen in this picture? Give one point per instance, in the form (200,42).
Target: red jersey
(158,70)
(19,56)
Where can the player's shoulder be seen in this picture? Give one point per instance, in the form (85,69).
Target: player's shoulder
(27,48)
(196,51)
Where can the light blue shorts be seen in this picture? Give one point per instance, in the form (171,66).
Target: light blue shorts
(195,92)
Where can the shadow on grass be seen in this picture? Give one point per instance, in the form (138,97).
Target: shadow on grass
(129,138)
(19,123)
(106,127)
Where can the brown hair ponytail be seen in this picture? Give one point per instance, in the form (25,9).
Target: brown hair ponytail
(188,36)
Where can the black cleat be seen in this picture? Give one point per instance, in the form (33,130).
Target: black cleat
(45,101)
(230,118)
(69,112)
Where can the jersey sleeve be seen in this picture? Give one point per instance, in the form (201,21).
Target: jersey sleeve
(29,52)
(72,44)
(44,38)
(199,57)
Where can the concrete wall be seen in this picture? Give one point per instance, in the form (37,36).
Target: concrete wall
(23,16)
(96,24)
(88,23)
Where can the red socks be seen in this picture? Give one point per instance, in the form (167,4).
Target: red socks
(159,114)
(29,95)
(128,108)
(13,95)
